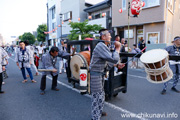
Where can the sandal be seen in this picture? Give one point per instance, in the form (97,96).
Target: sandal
(24,81)
(33,81)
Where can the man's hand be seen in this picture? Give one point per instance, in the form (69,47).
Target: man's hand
(54,70)
(120,65)
(3,68)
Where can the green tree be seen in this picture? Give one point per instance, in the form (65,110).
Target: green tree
(41,37)
(28,36)
(82,29)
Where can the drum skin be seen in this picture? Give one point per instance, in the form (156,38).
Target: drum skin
(79,60)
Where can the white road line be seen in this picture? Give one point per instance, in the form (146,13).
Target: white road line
(106,103)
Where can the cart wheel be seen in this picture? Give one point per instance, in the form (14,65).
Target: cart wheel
(115,95)
(124,91)
(73,84)
(82,93)
(107,97)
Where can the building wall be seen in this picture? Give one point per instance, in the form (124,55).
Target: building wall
(100,21)
(147,15)
(51,4)
(76,7)
(173,22)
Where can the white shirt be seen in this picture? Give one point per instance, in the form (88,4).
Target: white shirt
(40,49)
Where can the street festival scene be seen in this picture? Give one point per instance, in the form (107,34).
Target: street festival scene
(89,60)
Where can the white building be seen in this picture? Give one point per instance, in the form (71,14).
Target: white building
(53,20)
(72,10)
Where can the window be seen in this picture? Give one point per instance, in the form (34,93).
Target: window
(123,4)
(67,16)
(153,37)
(53,12)
(53,26)
(97,16)
(131,33)
(151,3)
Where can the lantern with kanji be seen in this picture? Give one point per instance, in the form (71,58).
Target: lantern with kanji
(136,7)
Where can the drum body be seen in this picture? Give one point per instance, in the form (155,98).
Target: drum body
(156,63)
(79,60)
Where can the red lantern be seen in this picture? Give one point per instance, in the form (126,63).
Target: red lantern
(103,14)
(79,19)
(62,22)
(69,20)
(120,10)
(89,17)
(53,29)
(136,7)
(59,25)
(143,4)
(56,28)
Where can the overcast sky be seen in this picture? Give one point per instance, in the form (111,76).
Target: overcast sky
(19,16)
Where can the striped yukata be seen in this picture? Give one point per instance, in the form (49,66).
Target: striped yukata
(173,50)
(3,54)
(101,57)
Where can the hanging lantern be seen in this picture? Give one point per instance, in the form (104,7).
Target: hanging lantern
(136,7)
(59,25)
(53,29)
(120,10)
(103,14)
(56,28)
(89,17)
(69,20)
(62,22)
(79,19)
(143,4)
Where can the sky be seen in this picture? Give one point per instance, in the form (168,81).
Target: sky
(19,16)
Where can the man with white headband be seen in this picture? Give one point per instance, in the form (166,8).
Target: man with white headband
(101,58)
(173,50)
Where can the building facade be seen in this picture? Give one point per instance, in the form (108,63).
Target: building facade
(73,12)
(158,21)
(53,20)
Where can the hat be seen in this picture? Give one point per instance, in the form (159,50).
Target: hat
(176,38)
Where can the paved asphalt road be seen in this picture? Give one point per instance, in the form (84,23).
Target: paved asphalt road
(24,102)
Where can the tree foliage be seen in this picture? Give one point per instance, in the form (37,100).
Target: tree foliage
(28,36)
(41,37)
(82,29)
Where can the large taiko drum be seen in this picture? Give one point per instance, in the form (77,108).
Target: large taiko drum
(79,60)
(156,63)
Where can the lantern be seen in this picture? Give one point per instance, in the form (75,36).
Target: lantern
(143,4)
(89,17)
(69,20)
(62,22)
(103,14)
(79,19)
(56,28)
(59,25)
(53,29)
(136,7)
(120,10)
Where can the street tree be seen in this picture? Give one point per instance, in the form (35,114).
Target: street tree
(28,36)
(83,29)
(41,37)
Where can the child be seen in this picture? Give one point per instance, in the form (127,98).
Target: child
(36,60)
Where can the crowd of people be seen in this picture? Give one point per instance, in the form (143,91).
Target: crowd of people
(27,57)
